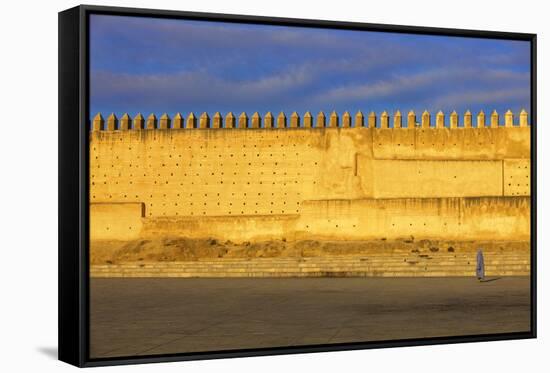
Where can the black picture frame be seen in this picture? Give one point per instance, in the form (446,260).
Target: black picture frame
(73,247)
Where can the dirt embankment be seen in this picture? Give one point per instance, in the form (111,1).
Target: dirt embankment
(183,249)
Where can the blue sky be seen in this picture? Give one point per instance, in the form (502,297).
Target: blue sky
(161,65)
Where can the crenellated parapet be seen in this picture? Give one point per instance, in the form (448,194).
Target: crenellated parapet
(255,121)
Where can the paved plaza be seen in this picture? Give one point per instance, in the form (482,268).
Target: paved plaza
(159,316)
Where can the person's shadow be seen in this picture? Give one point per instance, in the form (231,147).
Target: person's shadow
(490,279)
(50,352)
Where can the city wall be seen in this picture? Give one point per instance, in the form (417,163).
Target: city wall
(324,178)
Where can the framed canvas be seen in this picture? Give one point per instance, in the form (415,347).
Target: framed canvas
(241,186)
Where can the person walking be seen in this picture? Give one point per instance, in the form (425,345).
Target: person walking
(480,266)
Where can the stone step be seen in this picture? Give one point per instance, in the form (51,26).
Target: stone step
(323,264)
(378,256)
(312,264)
(309,274)
(377,260)
(332,259)
(365,257)
(313,269)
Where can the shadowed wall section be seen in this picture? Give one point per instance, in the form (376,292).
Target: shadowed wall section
(345,181)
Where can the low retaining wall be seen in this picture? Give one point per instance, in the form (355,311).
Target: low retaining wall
(483,218)
(233,228)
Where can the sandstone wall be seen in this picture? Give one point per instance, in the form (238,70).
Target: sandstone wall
(116,221)
(336,182)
